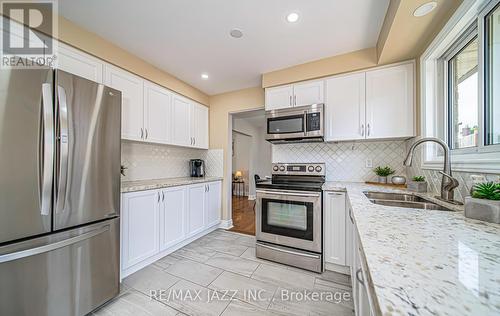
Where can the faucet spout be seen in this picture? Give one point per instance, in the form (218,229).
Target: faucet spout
(448,183)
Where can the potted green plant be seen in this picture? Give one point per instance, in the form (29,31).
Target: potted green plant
(417,184)
(484,204)
(383,173)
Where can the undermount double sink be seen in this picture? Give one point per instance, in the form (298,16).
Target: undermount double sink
(403,200)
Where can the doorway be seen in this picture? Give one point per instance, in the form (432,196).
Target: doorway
(251,160)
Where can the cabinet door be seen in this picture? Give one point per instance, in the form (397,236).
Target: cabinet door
(140,226)
(349,228)
(308,93)
(157,113)
(279,97)
(196,209)
(131,87)
(334,219)
(181,121)
(389,102)
(79,63)
(200,126)
(213,203)
(172,216)
(345,107)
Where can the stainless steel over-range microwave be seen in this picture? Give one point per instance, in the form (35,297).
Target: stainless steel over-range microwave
(297,124)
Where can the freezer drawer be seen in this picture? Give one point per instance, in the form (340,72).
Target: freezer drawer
(69,273)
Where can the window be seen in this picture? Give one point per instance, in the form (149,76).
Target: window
(463,105)
(492,68)
(460,89)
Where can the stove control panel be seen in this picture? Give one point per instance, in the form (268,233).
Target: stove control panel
(313,169)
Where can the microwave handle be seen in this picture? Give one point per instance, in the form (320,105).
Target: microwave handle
(305,123)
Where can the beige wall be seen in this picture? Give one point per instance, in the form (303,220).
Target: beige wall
(357,60)
(93,44)
(221,106)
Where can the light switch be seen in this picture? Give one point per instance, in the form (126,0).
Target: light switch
(368,163)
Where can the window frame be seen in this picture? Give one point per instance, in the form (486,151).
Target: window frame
(469,16)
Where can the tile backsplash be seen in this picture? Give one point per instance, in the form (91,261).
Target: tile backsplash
(151,161)
(346,161)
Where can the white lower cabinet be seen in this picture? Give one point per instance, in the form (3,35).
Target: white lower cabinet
(196,208)
(335,228)
(174,205)
(140,226)
(157,222)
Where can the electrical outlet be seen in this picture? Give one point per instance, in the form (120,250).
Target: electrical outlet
(368,163)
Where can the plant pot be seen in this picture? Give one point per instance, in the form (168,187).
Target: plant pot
(417,186)
(382,179)
(483,210)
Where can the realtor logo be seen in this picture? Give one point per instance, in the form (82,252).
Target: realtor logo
(28,31)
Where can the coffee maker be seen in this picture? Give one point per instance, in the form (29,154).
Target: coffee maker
(197,167)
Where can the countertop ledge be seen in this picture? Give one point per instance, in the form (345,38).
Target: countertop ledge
(143,185)
(425,262)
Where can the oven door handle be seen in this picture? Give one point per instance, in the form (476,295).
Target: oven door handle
(288,193)
(290,251)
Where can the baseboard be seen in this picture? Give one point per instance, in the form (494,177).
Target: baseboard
(169,250)
(337,268)
(252,197)
(226,224)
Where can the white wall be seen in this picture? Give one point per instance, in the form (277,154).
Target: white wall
(260,155)
(241,157)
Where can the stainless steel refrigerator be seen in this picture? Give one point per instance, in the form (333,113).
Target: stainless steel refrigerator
(59,193)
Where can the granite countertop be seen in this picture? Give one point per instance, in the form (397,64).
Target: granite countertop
(424,262)
(142,185)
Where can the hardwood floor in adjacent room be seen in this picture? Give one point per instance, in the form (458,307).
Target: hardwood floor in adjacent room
(243,215)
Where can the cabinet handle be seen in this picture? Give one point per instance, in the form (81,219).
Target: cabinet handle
(294,100)
(368,131)
(162,196)
(194,140)
(363,130)
(360,279)
(158,197)
(142,133)
(291,101)
(146,133)
(350,215)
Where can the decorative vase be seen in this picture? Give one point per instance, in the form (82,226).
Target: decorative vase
(382,179)
(417,186)
(398,180)
(482,209)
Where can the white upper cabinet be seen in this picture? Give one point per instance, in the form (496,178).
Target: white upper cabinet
(390,102)
(172,216)
(345,107)
(298,94)
(157,113)
(308,93)
(199,129)
(279,97)
(78,63)
(181,121)
(131,87)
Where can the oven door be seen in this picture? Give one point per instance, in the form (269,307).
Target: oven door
(289,218)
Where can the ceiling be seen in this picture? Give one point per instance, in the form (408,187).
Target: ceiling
(188,37)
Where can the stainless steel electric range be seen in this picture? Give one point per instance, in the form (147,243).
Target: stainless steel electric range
(289,215)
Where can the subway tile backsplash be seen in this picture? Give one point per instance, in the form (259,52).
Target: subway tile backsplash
(151,161)
(346,161)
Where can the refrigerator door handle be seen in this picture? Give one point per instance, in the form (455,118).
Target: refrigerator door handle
(47,150)
(50,247)
(63,150)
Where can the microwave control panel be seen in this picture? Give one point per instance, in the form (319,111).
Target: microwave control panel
(313,121)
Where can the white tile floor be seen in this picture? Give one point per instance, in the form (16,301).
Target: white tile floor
(218,274)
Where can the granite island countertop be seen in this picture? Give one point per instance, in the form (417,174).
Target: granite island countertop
(142,185)
(425,262)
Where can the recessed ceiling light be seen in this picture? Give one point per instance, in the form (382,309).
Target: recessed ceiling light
(204,76)
(425,9)
(236,33)
(292,17)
